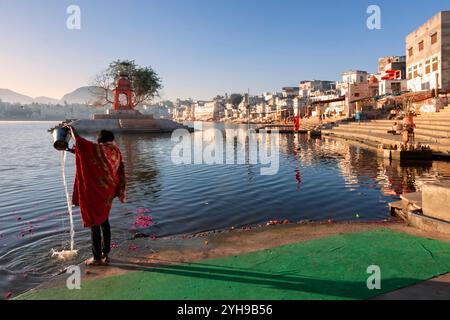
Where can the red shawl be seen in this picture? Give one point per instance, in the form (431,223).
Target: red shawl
(99,178)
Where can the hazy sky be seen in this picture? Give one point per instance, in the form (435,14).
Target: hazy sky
(200,48)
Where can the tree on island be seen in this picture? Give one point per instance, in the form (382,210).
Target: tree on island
(235,99)
(145,81)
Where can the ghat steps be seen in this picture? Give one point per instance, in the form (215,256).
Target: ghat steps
(432,129)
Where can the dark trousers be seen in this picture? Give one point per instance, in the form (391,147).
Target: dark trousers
(96,236)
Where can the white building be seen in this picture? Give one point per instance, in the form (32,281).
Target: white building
(355,77)
(208,110)
(392,87)
(428,55)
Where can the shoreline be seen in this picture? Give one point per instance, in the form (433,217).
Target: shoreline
(139,254)
(28,120)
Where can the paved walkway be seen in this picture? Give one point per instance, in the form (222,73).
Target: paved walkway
(331,267)
(434,289)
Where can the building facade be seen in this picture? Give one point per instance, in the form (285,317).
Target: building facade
(355,77)
(316,85)
(392,87)
(208,110)
(428,55)
(392,63)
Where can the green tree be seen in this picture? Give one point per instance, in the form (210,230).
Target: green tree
(235,99)
(145,82)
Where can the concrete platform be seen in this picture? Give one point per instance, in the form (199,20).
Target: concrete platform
(436,202)
(428,224)
(413,199)
(427,210)
(434,289)
(425,155)
(136,125)
(166,263)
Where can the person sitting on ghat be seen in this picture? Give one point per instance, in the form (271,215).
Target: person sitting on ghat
(396,129)
(99,178)
(392,114)
(399,128)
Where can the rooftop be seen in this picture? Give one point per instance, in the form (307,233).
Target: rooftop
(436,16)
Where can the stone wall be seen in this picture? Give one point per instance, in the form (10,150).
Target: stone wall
(436,201)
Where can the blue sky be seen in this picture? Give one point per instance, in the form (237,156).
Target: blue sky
(200,48)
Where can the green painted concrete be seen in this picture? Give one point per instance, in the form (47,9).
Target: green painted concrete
(327,268)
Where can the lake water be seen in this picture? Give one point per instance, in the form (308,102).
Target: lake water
(318,179)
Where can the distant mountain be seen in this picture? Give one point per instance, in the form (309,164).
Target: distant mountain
(14,97)
(83,95)
(45,100)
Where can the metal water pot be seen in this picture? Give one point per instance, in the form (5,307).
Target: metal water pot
(61,138)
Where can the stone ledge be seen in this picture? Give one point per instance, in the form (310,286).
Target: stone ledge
(428,224)
(436,200)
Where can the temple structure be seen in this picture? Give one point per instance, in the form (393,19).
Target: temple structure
(123,118)
(123,93)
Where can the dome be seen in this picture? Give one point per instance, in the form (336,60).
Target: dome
(373,80)
(123,82)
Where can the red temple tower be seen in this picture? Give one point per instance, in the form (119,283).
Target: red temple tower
(123,93)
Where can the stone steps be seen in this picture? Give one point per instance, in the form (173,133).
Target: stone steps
(432,129)
(379,138)
(437,115)
(421,123)
(441,136)
(432,122)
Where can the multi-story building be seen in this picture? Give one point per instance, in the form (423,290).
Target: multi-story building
(392,63)
(355,77)
(355,86)
(309,86)
(428,55)
(158,111)
(209,110)
(391,76)
(290,92)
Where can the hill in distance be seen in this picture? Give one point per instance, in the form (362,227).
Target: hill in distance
(14,97)
(45,100)
(83,95)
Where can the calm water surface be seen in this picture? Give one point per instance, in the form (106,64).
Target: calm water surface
(318,180)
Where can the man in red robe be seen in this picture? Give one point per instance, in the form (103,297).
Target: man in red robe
(99,178)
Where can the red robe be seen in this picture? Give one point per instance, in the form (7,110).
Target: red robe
(297,123)
(99,178)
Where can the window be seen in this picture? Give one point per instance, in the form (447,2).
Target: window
(425,86)
(356,95)
(416,73)
(410,52)
(410,73)
(421,45)
(427,67)
(434,38)
(435,64)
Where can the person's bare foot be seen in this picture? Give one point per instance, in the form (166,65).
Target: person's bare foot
(93,263)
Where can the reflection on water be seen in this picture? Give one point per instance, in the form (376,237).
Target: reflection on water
(318,179)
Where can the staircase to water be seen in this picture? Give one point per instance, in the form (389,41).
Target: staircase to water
(432,129)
